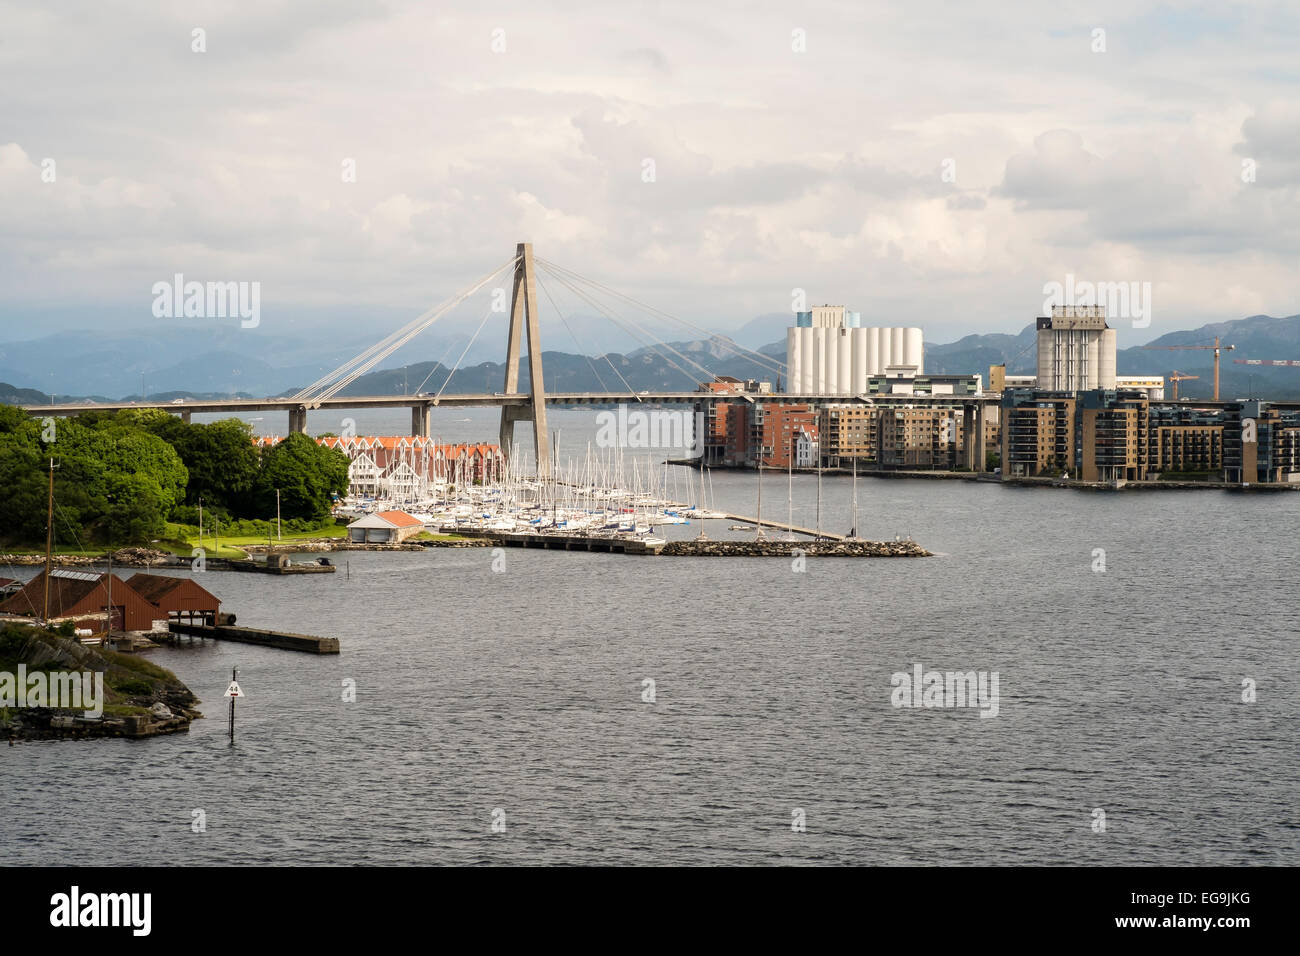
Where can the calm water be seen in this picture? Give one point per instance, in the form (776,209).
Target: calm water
(522,690)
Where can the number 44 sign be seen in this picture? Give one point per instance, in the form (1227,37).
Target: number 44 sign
(233,690)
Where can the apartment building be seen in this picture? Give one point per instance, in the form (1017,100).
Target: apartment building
(1103,435)
(1038,431)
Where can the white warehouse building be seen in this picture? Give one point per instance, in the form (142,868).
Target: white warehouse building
(829,353)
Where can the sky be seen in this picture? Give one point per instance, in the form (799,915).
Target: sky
(930,163)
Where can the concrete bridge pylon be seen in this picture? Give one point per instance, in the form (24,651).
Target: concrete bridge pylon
(523,317)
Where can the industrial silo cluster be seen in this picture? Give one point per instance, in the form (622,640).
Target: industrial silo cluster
(828,352)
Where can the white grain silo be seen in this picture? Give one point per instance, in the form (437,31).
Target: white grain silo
(844,352)
(914,349)
(859,369)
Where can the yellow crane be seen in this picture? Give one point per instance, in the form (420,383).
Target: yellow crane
(1217,349)
(1177,377)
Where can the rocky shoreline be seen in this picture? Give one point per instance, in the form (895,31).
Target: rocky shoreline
(126,557)
(140,699)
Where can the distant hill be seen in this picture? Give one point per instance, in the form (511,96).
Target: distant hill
(213,365)
(12,395)
(643,370)
(1256,337)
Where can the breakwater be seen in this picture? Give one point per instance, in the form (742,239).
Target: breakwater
(791,549)
(251,635)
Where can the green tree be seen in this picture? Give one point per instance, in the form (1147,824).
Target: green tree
(222,461)
(307,475)
(112,480)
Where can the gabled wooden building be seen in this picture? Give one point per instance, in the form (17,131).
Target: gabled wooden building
(177,598)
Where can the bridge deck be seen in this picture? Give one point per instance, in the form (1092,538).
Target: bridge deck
(236,405)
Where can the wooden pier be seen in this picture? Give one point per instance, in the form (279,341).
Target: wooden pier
(284,640)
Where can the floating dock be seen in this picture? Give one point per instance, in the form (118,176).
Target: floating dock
(284,640)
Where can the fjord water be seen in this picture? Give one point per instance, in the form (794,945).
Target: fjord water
(523,691)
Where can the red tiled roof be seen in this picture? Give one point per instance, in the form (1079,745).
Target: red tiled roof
(399,518)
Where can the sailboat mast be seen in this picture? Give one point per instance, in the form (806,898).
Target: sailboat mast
(819,498)
(855,496)
(49,546)
(789,492)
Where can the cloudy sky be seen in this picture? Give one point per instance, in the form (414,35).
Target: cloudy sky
(927,163)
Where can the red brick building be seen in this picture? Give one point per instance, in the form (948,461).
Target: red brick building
(739,433)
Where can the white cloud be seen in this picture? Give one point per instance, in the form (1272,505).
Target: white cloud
(773,168)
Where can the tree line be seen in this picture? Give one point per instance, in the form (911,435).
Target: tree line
(120,477)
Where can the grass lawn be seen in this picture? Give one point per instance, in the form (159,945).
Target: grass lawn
(232,546)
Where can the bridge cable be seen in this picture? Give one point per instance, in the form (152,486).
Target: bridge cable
(353,369)
(640,336)
(639,332)
(383,343)
(468,345)
(390,349)
(572,335)
(758,358)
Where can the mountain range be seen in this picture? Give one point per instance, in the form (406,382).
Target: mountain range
(215,362)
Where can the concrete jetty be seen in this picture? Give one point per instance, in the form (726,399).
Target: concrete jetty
(782,526)
(285,640)
(788,549)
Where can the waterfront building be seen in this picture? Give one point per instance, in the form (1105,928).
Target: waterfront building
(848,432)
(918,438)
(1153,386)
(807,449)
(1076,350)
(405,467)
(177,598)
(828,352)
(1108,435)
(773,429)
(1037,432)
(729,385)
(907,437)
(384,527)
(82,597)
(1274,455)
(740,433)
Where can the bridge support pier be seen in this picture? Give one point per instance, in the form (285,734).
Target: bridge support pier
(185,417)
(523,304)
(298,420)
(968,443)
(420,421)
(981,422)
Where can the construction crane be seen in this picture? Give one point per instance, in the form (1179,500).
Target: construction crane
(1217,348)
(1177,377)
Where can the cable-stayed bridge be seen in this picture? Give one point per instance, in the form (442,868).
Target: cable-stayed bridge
(516,405)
